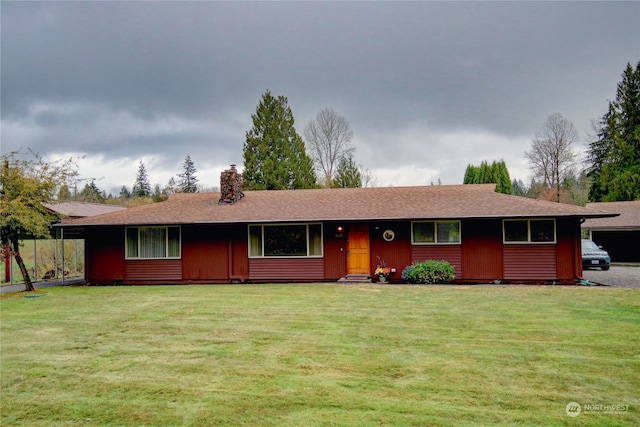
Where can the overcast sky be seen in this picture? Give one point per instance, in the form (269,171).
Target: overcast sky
(428,87)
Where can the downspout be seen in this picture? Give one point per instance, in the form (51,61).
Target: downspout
(579,259)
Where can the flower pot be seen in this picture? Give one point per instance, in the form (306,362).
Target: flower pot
(382,278)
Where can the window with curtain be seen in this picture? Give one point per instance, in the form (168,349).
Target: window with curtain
(152,242)
(285,240)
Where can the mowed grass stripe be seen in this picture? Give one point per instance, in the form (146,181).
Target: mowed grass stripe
(319,354)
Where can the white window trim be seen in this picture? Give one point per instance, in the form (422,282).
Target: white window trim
(435,235)
(263,256)
(529,242)
(166,227)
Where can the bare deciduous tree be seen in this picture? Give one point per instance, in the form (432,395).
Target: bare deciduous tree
(368,179)
(551,157)
(328,139)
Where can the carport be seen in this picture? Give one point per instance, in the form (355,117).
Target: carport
(619,235)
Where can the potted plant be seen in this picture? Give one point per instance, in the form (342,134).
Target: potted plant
(382,270)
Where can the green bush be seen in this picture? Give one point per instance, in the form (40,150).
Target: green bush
(429,271)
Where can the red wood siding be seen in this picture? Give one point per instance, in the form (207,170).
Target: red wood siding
(335,251)
(240,257)
(104,254)
(568,251)
(304,269)
(396,253)
(450,253)
(154,270)
(205,253)
(219,253)
(529,262)
(482,250)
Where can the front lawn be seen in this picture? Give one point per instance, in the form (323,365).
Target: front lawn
(320,355)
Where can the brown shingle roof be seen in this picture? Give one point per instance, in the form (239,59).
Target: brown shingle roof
(390,203)
(629,215)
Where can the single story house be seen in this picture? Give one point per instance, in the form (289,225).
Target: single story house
(328,234)
(619,235)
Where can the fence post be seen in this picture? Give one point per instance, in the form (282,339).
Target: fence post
(62,238)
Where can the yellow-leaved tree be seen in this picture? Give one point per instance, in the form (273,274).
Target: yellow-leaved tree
(26,184)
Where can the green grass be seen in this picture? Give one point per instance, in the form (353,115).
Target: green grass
(319,355)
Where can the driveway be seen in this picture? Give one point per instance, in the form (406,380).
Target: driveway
(619,276)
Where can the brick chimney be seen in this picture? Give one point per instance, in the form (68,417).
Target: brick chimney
(231,186)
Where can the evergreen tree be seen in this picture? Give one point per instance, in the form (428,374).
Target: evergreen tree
(64,193)
(141,188)
(91,193)
(614,157)
(518,188)
(502,178)
(486,174)
(577,189)
(347,174)
(274,154)
(188,180)
(471,174)
(496,173)
(125,193)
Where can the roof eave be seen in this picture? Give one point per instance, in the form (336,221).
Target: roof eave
(338,219)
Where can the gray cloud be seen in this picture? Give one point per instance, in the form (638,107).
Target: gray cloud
(133,79)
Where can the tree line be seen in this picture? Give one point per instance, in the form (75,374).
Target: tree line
(276,157)
(610,170)
(141,191)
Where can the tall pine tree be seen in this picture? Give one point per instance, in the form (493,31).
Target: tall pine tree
(188,180)
(470,174)
(614,157)
(141,188)
(274,153)
(502,178)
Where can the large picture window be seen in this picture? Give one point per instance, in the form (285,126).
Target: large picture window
(529,230)
(152,242)
(435,232)
(285,240)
